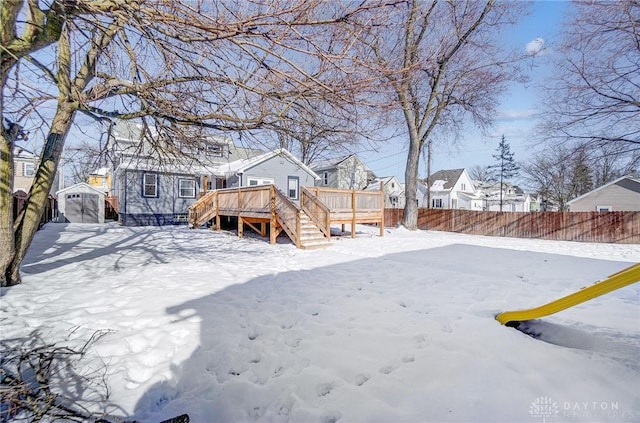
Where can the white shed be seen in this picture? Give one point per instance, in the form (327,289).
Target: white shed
(81,203)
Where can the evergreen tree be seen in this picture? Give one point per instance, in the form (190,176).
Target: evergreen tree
(505,166)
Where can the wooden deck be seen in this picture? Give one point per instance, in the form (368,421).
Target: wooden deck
(307,225)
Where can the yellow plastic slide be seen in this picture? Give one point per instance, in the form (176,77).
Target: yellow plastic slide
(616,281)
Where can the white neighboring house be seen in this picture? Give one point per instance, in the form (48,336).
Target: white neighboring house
(623,194)
(393,191)
(514,199)
(450,189)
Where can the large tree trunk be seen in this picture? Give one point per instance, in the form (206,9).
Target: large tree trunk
(29,218)
(7,246)
(410,218)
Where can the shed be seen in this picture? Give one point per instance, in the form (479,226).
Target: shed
(81,203)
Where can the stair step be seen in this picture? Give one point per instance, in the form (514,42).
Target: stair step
(316,244)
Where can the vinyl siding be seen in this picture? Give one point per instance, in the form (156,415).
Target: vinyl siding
(618,196)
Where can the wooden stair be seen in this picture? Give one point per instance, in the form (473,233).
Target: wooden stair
(311,236)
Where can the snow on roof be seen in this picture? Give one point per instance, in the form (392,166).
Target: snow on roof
(103,171)
(450,177)
(22,153)
(190,168)
(439,185)
(78,185)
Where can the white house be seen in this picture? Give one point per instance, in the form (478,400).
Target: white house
(450,189)
(394,197)
(514,199)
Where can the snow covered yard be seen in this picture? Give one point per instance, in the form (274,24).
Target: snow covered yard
(393,329)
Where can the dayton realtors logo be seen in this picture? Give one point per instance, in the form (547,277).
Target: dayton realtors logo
(544,407)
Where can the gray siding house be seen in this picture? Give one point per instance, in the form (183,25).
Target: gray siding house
(344,173)
(153,193)
(623,194)
(278,167)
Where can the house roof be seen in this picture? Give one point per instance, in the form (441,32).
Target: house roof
(335,162)
(444,180)
(23,153)
(633,186)
(103,171)
(80,184)
(375,185)
(240,166)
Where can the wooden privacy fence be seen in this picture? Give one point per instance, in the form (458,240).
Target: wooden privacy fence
(620,227)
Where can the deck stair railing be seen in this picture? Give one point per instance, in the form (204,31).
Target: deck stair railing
(317,211)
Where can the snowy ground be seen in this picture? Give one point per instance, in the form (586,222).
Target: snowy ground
(392,329)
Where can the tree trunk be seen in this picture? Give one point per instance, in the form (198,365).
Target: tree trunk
(410,218)
(28,219)
(7,246)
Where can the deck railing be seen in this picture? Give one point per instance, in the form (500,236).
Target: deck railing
(338,200)
(323,206)
(288,215)
(244,200)
(204,209)
(317,211)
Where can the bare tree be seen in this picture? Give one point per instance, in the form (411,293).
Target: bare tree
(441,63)
(168,63)
(595,96)
(480,173)
(316,130)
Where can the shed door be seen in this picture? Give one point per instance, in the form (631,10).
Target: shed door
(81,208)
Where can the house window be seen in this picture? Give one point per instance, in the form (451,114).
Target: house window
(436,203)
(463,187)
(325,178)
(394,201)
(604,208)
(28,169)
(293,185)
(215,150)
(187,188)
(150,185)
(251,181)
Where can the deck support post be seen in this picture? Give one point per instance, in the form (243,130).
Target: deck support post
(353,213)
(382,214)
(240,226)
(273,223)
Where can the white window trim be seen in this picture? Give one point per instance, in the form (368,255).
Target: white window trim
(144,185)
(297,187)
(192,188)
(604,208)
(25,166)
(260,181)
(325,178)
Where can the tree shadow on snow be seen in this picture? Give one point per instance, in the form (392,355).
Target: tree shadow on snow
(266,345)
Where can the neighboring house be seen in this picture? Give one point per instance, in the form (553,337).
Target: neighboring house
(344,173)
(514,199)
(25,164)
(623,194)
(81,203)
(159,191)
(393,191)
(101,179)
(450,189)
